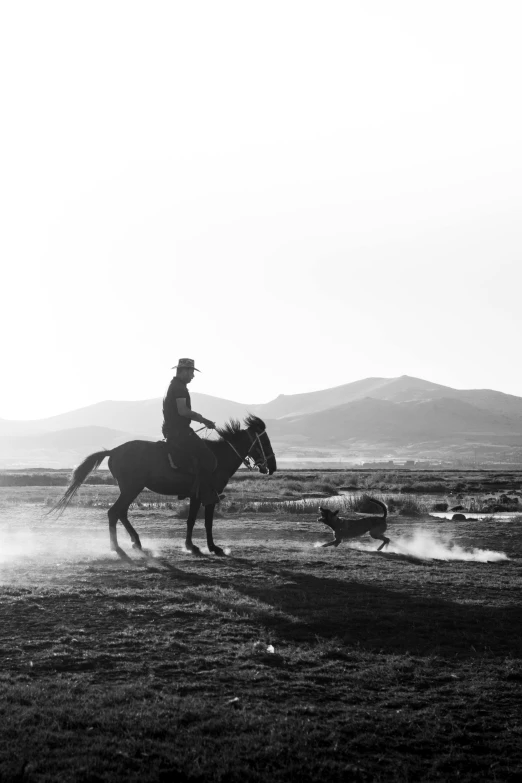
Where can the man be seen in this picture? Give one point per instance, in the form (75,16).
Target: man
(177,415)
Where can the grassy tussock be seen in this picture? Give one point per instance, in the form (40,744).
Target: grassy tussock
(301,492)
(349,504)
(148,501)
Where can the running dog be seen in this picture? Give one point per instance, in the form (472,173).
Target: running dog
(352,528)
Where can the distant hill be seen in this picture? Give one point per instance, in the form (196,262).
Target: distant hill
(402,389)
(63,448)
(373,415)
(397,423)
(136,416)
(294,404)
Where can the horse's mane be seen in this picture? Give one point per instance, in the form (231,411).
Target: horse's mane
(233,426)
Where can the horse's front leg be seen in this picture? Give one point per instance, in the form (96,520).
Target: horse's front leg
(209,518)
(195,503)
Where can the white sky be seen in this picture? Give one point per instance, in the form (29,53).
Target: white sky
(296,194)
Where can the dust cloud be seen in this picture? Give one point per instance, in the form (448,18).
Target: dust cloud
(26,545)
(426,545)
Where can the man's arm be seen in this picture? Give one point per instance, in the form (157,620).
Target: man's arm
(187,413)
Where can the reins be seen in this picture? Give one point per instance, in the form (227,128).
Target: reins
(244,459)
(265,459)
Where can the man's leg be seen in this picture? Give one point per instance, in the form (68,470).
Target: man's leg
(181,458)
(207,463)
(179,450)
(192,446)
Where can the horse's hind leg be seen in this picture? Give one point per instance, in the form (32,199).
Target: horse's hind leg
(134,537)
(119,512)
(113,521)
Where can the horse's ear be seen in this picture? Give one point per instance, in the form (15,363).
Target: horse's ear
(335,512)
(255,423)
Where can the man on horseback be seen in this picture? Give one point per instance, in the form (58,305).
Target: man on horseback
(183,443)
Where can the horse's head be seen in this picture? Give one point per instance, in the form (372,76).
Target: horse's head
(260,451)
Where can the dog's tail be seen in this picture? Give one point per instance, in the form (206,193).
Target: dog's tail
(382,505)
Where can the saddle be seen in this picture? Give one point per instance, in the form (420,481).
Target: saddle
(184,468)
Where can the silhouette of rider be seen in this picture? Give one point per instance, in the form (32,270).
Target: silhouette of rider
(182,441)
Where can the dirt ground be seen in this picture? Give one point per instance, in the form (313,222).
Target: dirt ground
(281,661)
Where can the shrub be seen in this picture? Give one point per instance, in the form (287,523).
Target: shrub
(460,486)
(295,486)
(439,507)
(328,488)
(408,507)
(232,508)
(362,504)
(429,486)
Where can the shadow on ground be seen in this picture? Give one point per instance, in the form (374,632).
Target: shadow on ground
(369,616)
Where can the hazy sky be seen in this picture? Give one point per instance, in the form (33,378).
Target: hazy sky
(296,194)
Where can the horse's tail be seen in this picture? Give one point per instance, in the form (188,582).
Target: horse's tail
(382,505)
(89,464)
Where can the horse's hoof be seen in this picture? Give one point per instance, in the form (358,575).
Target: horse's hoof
(137,546)
(193,549)
(216,550)
(123,555)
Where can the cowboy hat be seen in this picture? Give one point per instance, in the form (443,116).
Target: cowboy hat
(188,363)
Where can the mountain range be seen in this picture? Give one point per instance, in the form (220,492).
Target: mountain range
(372,418)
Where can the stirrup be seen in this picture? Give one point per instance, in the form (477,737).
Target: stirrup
(217,498)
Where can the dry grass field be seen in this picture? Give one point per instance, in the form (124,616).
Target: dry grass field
(282,661)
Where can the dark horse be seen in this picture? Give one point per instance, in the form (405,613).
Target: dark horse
(141,464)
